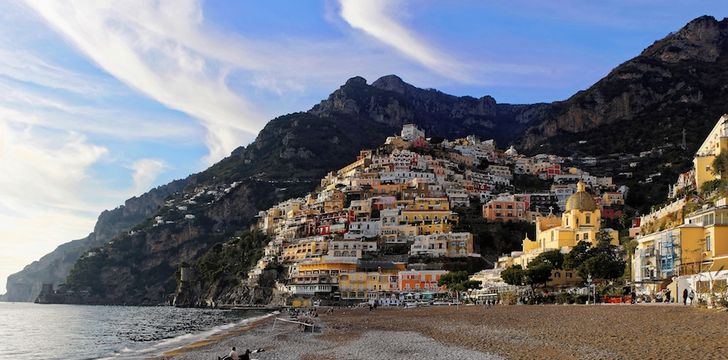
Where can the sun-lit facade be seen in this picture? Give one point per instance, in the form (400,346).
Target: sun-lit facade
(580,222)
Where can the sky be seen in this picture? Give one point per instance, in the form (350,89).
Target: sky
(101,100)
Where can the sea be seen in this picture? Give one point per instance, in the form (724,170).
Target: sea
(35,331)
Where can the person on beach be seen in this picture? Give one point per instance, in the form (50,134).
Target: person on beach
(232,356)
(685,296)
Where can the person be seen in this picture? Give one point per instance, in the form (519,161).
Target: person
(685,296)
(668,296)
(232,356)
(692,296)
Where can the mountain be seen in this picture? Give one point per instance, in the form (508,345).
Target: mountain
(679,82)
(287,159)
(54,267)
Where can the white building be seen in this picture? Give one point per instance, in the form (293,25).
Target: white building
(363,229)
(411,132)
(443,245)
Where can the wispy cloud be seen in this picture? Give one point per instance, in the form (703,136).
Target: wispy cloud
(140,44)
(374,17)
(145,172)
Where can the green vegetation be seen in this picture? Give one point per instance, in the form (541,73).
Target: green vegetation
(720,165)
(603,261)
(458,281)
(229,262)
(492,239)
(514,275)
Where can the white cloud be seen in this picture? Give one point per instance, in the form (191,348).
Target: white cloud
(159,48)
(374,18)
(145,172)
(30,107)
(47,193)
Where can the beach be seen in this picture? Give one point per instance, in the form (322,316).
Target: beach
(476,332)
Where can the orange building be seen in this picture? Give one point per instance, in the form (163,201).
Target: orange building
(505,209)
(420,280)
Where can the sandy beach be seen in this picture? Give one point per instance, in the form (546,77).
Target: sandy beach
(501,332)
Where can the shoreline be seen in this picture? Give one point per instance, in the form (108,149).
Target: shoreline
(476,332)
(237,329)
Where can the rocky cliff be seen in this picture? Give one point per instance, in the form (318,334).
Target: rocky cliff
(679,82)
(54,267)
(287,159)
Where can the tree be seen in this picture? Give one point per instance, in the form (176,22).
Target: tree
(577,255)
(538,274)
(554,258)
(603,238)
(458,281)
(629,248)
(514,275)
(720,165)
(603,266)
(603,261)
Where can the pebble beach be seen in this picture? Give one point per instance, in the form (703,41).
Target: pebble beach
(476,332)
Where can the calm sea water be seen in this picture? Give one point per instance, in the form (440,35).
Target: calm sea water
(91,332)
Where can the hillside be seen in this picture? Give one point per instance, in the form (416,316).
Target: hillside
(287,159)
(679,82)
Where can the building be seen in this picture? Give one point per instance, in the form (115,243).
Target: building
(368,285)
(716,142)
(581,221)
(411,132)
(319,277)
(506,208)
(351,248)
(363,229)
(429,215)
(612,198)
(698,246)
(305,249)
(443,245)
(419,281)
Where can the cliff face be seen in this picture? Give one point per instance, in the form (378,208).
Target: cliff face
(54,267)
(678,82)
(287,159)
(392,102)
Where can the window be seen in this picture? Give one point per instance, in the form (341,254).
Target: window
(708,245)
(588,219)
(577,237)
(586,236)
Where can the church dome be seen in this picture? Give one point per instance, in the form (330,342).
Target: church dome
(581,200)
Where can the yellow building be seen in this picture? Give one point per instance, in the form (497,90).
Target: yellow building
(367,285)
(429,215)
(716,142)
(707,250)
(305,249)
(698,246)
(580,222)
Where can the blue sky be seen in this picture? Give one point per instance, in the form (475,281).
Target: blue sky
(104,99)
